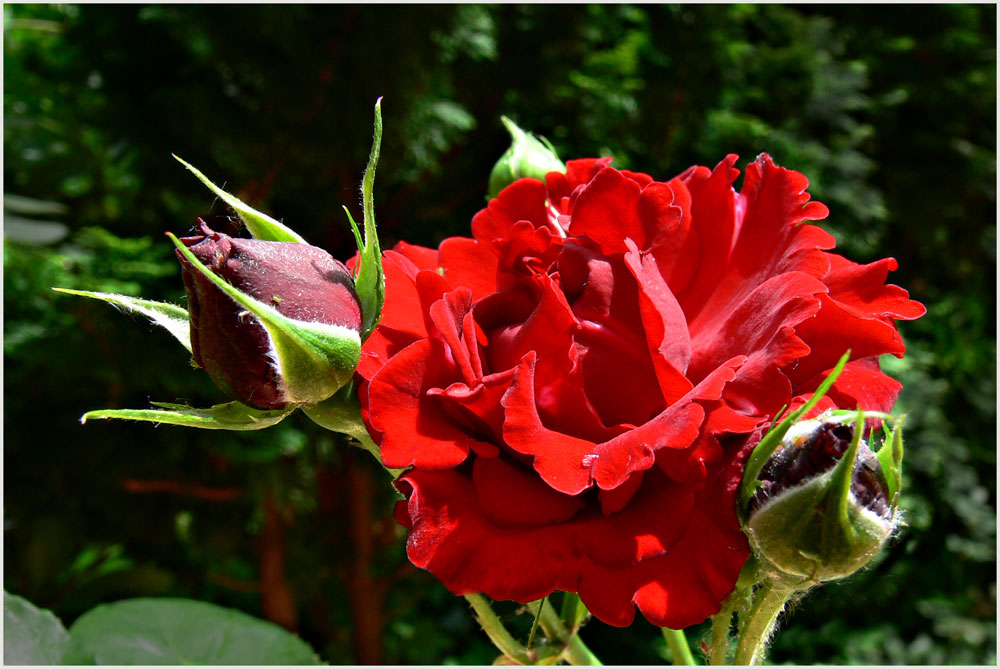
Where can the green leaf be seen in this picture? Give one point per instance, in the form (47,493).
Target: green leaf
(370,282)
(169,316)
(31,635)
(181,631)
(230,416)
(260,225)
(315,359)
(765,449)
(890,457)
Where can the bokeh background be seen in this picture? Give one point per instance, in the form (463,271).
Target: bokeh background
(890,111)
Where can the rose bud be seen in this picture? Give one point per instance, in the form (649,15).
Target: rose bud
(526,157)
(824,506)
(273,323)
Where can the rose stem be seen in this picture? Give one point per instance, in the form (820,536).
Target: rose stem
(680,651)
(575,651)
(769,602)
(571,611)
(495,630)
(721,622)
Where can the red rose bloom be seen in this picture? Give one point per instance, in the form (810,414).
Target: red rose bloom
(577,386)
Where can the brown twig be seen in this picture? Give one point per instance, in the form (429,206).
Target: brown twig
(185,489)
(276,596)
(236,584)
(365,595)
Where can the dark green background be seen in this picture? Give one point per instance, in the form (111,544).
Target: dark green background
(889,110)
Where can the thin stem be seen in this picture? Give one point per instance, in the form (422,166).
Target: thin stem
(769,602)
(680,651)
(721,623)
(573,611)
(575,651)
(495,630)
(534,625)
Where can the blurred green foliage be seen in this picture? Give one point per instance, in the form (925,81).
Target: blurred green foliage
(890,111)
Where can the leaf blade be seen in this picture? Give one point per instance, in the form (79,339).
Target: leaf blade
(183,631)
(31,635)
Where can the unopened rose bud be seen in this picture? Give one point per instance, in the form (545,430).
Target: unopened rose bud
(823,508)
(290,333)
(526,157)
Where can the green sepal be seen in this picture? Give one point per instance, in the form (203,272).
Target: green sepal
(765,449)
(230,416)
(890,457)
(260,225)
(168,316)
(370,279)
(838,524)
(526,157)
(315,359)
(342,413)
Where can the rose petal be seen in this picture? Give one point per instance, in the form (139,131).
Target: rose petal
(510,497)
(523,200)
(861,291)
(469,263)
(664,323)
(416,430)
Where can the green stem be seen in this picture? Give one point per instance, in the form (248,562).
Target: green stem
(342,413)
(537,614)
(769,602)
(680,651)
(575,651)
(721,623)
(497,633)
(573,611)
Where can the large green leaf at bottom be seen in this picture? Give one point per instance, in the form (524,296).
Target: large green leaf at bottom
(31,635)
(181,631)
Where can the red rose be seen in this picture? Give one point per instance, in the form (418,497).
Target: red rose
(576,387)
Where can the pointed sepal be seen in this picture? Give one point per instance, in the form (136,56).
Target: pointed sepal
(838,525)
(370,279)
(890,458)
(260,225)
(172,318)
(313,360)
(230,416)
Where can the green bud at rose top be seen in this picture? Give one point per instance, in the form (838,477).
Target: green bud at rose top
(526,157)
(288,335)
(823,506)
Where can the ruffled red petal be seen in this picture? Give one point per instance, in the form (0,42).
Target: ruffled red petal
(607,331)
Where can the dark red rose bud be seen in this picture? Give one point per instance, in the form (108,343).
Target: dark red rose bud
(303,283)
